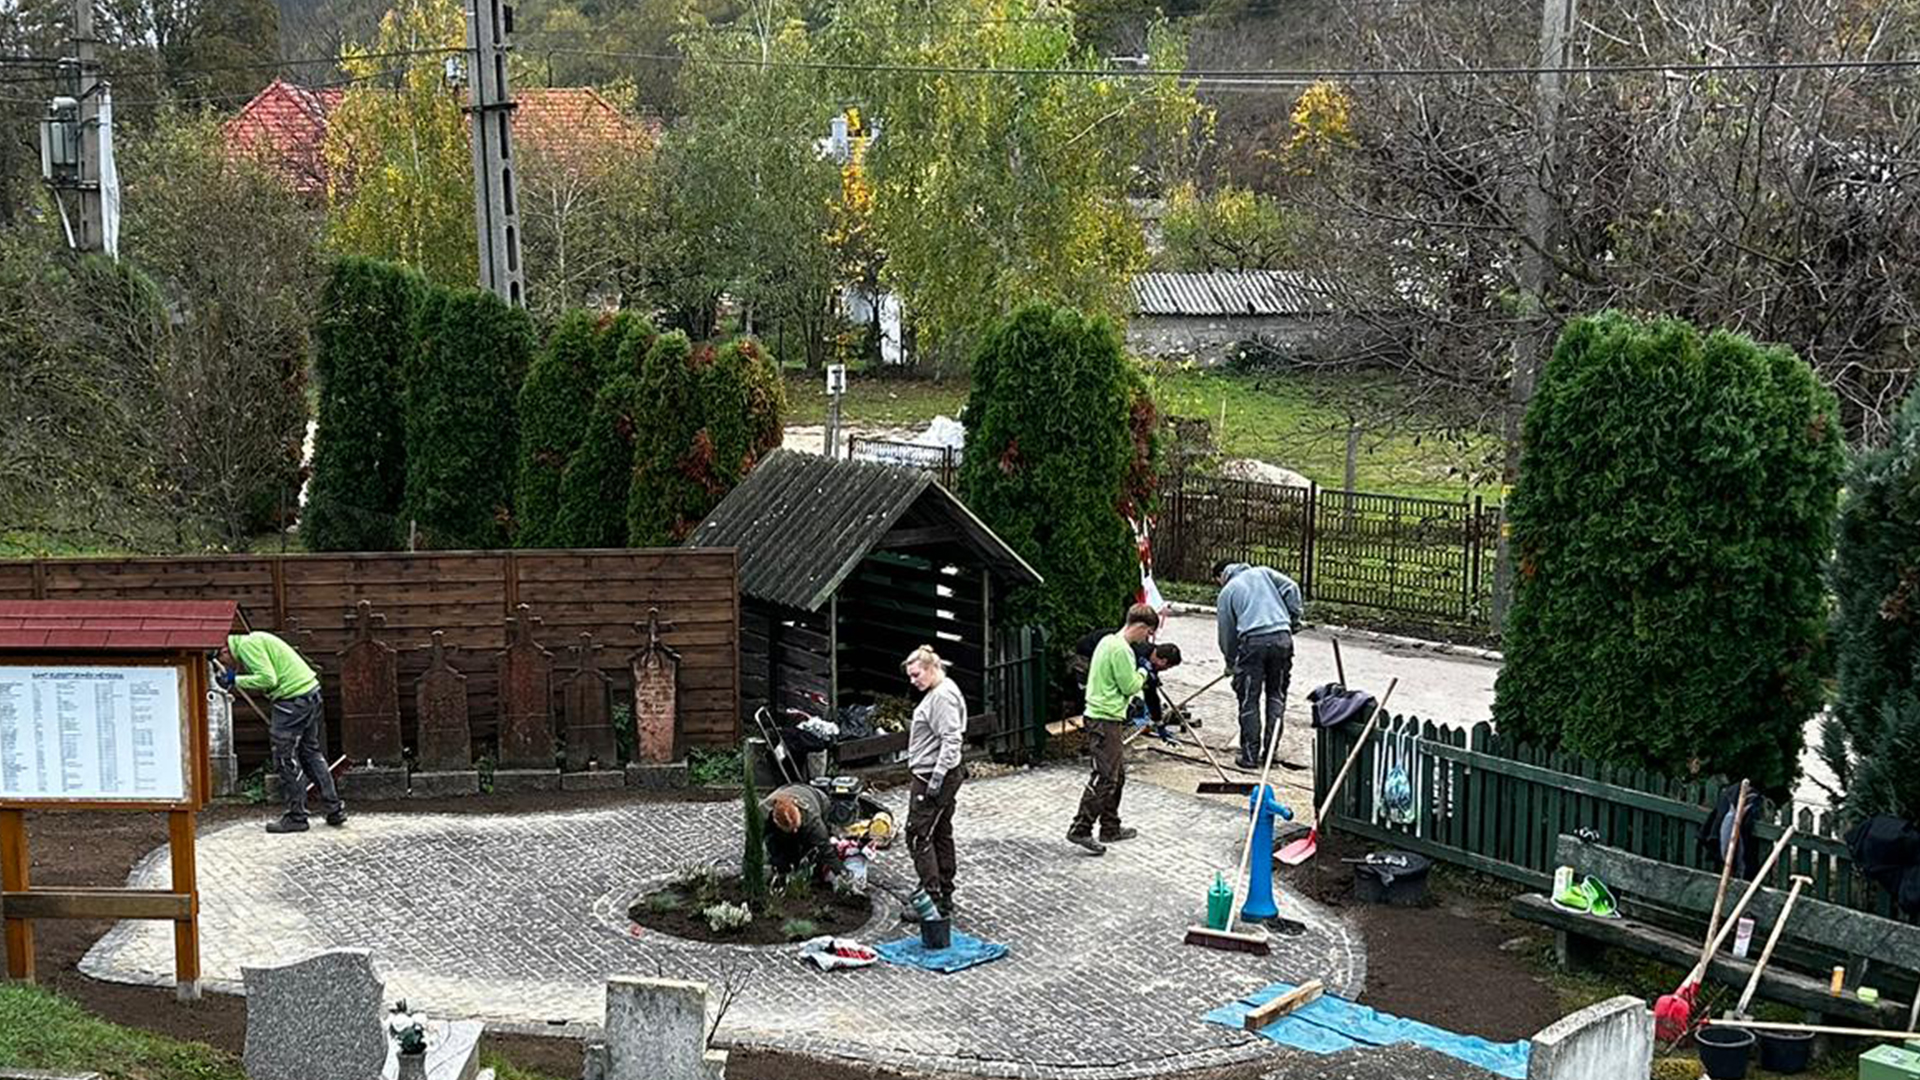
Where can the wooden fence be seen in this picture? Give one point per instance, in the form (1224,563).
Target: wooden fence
(1500,809)
(468,595)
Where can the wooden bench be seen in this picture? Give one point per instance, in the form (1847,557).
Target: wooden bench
(1664,911)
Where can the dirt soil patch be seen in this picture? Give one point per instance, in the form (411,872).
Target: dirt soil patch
(800,911)
(1460,963)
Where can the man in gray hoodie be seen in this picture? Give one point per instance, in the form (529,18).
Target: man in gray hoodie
(1257,613)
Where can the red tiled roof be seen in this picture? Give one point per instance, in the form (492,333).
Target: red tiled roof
(110,625)
(286,125)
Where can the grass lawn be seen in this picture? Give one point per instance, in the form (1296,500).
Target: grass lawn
(1272,418)
(41,1030)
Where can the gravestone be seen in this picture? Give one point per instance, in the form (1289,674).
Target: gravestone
(656,1029)
(526,710)
(370,711)
(593,755)
(656,709)
(1600,1042)
(443,742)
(319,1018)
(453,1053)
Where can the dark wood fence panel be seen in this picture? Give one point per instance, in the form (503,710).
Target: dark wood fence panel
(468,596)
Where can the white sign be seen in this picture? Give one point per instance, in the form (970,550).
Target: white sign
(836,379)
(91,733)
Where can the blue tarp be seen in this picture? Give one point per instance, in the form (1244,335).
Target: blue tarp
(1330,1025)
(961,952)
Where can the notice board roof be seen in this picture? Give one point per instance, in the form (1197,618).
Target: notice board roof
(115,625)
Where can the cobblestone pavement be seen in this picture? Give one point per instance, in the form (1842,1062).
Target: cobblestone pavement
(519,919)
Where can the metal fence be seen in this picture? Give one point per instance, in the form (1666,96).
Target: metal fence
(1427,559)
(942,461)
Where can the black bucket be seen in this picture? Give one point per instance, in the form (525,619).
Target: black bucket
(1397,878)
(1786,1051)
(936,934)
(1724,1052)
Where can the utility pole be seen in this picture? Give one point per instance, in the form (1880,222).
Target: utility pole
(496,208)
(836,387)
(1544,228)
(76,145)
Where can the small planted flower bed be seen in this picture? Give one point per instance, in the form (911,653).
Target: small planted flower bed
(716,908)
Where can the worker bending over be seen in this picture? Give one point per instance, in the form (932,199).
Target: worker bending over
(263,663)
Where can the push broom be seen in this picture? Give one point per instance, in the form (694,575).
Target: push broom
(1673,1013)
(1303,849)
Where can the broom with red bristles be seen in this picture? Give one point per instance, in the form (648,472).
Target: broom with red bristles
(1673,1013)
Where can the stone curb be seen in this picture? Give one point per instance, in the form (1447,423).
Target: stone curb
(1445,648)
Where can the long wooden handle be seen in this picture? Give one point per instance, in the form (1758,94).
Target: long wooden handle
(1353,755)
(1253,825)
(1773,938)
(248,698)
(1726,871)
(1779,847)
(1339,669)
(1210,685)
(1813,1029)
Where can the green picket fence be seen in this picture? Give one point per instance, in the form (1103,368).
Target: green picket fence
(1499,809)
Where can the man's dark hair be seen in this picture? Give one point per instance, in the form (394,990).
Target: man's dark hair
(1168,652)
(1221,568)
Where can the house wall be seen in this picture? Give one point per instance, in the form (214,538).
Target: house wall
(1212,339)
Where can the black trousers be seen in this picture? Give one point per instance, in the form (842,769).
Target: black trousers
(930,834)
(298,735)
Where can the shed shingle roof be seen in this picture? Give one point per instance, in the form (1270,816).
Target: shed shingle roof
(802,523)
(1228,292)
(115,625)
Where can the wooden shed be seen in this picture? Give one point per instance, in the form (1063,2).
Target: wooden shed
(845,566)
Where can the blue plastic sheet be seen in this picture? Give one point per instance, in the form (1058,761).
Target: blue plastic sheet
(962,952)
(1331,1024)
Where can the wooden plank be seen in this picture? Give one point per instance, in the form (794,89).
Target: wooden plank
(14,865)
(95,904)
(1839,929)
(1297,998)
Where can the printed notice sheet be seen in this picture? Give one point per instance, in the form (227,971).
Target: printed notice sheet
(94,733)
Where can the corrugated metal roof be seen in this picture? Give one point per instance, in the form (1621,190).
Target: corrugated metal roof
(115,625)
(1228,292)
(802,523)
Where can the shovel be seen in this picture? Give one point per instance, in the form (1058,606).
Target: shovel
(1302,849)
(1673,1013)
(1766,954)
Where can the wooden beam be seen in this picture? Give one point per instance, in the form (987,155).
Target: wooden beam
(1298,997)
(906,538)
(96,904)
(13,876)
(186,932)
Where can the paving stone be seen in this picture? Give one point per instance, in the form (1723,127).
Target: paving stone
(519,920)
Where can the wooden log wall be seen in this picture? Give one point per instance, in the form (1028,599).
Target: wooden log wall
(466,594)
(782,650)
(891,604)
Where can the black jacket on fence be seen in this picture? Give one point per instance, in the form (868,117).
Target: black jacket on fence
(1886,849)
(1713,833)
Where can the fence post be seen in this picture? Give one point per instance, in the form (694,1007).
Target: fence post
(1474,546)
(1306,540)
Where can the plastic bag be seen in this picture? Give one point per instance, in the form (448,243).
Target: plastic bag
(831,953)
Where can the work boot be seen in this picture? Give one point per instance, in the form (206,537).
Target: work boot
(287,825)
(1124,832)
(1087,841)
(338,817)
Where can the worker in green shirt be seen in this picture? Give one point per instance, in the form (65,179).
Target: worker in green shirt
(261,662)
(1113,679)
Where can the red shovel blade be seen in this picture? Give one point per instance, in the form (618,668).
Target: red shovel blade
(1300,850)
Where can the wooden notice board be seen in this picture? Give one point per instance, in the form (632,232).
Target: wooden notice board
(103,707)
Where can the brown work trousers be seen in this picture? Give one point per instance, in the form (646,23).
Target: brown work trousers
(930,834)
(1106,744)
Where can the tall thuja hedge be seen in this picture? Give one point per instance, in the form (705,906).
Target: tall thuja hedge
(709,415)
(1049,450)
(553,407)
(363,335)
(471,352)
(1872,741)
(593,490)
(1672,518)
